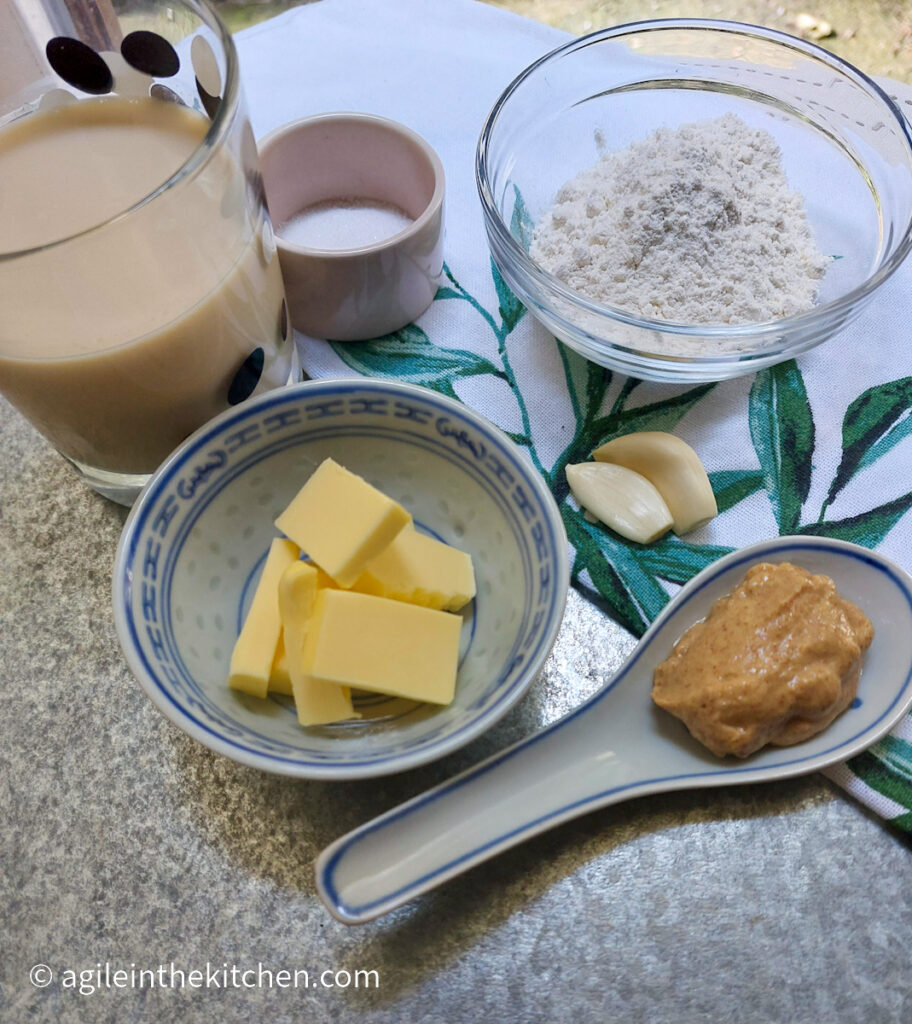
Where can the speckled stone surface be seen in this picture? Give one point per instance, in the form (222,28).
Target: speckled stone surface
(126,843)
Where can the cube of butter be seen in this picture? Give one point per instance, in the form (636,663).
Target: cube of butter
(373,643)
(279,678)
(421,570)
(255,649)
(341,521)
(317,702)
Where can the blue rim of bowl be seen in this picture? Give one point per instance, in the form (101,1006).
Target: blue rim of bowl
(421,754)
(774,328)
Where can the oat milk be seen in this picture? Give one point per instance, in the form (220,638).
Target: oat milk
(119,341)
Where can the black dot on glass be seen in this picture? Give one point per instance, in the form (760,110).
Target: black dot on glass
(166,95)
(79,65)
(283,321)
(247,377)
(210,102)
(150,53)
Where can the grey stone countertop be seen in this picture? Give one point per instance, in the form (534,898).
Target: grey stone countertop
(127,845)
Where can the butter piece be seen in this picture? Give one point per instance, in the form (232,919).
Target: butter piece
(317,702)
(279,679)
(255,649)
(418,569)
(341,521)
(375,644)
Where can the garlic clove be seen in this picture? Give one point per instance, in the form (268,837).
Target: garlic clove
(621,499)
(673,467)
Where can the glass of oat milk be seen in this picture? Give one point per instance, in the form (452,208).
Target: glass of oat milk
(140,293)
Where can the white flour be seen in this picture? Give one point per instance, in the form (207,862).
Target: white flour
(693,225)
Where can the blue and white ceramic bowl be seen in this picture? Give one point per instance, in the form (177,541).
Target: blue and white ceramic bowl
(195,542)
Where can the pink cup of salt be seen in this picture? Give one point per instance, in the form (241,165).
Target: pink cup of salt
(357,204)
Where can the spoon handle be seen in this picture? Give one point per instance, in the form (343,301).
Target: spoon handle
(555,775)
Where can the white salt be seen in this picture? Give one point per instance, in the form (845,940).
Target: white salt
(344,224)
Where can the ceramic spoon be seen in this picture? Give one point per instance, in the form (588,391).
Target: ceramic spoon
(618,745)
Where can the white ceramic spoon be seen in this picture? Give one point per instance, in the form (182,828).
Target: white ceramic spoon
(618,745)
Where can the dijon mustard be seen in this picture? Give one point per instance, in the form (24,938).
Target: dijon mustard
(774,662)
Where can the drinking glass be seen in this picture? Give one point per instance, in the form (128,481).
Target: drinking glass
(122,331)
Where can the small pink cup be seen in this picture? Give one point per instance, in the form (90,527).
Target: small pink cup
(365,292)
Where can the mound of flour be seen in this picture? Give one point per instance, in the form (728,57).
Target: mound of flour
(694,225)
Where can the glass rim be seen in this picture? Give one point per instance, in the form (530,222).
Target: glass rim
(202,152)
(547,282)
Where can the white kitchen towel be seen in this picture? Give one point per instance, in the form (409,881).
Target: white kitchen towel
(438,66)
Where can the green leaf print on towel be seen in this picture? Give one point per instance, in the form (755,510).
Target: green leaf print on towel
(866,528)
(874,423)
(409,355)
(782,430)
(733,485)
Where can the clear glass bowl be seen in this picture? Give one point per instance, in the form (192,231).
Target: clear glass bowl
(844,145)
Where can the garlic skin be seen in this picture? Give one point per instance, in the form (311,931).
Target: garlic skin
(620,498)
(673,467)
